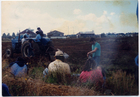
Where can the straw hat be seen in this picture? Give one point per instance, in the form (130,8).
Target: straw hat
(59,53)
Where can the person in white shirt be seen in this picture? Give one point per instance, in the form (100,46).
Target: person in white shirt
(27,35)
(23,39)
(58,64)
(58,69)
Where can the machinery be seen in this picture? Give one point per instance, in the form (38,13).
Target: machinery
(44,47)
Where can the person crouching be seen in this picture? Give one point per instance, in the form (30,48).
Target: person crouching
(91,75)
(58,70)
(18,68)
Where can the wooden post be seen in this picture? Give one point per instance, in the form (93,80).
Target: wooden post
(19,36)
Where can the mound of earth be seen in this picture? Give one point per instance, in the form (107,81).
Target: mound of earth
(36,87)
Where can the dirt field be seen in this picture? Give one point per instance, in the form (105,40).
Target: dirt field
(116,53)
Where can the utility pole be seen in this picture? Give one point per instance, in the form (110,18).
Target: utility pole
(68,30)
(73,30)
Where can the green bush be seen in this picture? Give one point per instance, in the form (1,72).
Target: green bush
(36,72)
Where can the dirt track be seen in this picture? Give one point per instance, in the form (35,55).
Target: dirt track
(112,49)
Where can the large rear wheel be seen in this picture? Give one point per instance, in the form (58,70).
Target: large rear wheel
(25,49)
(50,51)
(9,52)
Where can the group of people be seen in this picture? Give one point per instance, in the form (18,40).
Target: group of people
(26,36)
(91,72)
(60,71)
(39,35)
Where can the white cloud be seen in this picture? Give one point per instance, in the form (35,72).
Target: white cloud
(20,19)
(98,24)
(112,13)
(77,11)
(105,12)
(28,18)
(70,27)
(93,17)
(17,16)
(90,16)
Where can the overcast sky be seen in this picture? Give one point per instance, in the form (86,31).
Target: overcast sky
(70,17)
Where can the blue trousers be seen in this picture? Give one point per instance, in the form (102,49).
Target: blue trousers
(30,53)
(97,60)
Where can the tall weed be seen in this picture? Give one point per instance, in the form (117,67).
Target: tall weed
(121,83)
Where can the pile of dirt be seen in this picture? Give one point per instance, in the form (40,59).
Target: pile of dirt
(36,87)
(27,86)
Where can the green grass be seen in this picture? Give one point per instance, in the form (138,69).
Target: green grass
(36,72)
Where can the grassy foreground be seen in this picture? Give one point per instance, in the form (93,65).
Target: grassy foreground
(117,82)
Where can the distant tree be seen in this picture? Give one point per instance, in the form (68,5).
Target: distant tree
(13,35)
(103,35)
(8,34)
(4,35)
(17,33)
(109,33)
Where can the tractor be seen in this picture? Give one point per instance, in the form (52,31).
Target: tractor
(44,47)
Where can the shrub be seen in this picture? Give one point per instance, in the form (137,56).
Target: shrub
(36,72)
(58,77)
(121,83)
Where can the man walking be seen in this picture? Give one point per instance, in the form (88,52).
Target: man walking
(96,51)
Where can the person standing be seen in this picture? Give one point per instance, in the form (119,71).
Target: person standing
(96,51)
(40,31)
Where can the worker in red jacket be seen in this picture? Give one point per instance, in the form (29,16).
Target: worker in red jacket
(91,73)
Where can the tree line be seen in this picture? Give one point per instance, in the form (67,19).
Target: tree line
(8,35)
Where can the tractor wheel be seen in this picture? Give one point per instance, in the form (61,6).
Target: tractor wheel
(50,51)
(9,52)
(25,49)
(36,49)
(50,46)
(51,56)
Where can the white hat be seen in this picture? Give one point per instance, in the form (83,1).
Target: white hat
(59,53)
